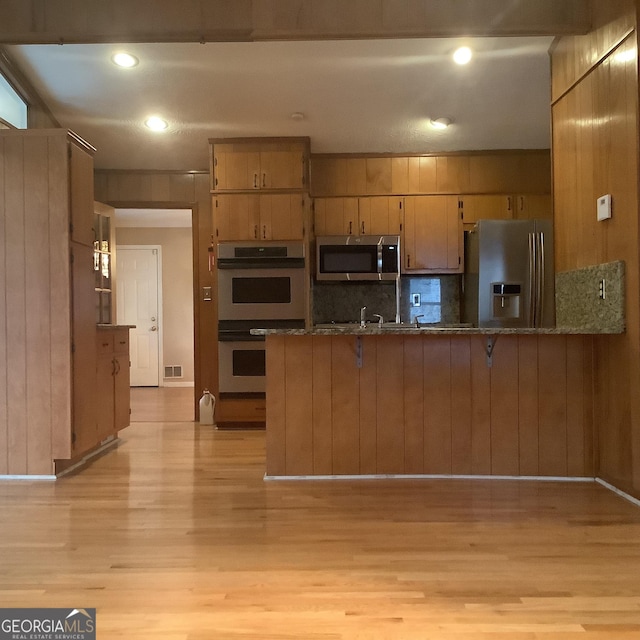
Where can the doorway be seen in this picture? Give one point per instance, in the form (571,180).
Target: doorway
(168,233)
(139,304)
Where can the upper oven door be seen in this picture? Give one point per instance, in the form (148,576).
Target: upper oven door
(261,294)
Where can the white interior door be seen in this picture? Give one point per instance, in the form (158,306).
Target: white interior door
(137,304)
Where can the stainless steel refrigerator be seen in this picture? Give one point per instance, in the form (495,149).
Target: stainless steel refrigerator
(509,276)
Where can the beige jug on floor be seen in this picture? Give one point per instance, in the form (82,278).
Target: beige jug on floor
(207,407)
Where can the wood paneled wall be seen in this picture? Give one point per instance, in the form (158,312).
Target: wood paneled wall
(575,56)
(35,311)
(33,21)
(595,152)
(429,405)
(168,190)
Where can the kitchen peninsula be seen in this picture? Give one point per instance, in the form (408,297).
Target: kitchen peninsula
(452,401)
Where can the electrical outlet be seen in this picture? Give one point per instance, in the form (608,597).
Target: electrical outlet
(415,299)
(602,291)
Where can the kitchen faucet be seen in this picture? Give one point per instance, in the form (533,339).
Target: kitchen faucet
(363,321)
(416,320)
(380,318)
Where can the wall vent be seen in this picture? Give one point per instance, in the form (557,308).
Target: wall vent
(173,371)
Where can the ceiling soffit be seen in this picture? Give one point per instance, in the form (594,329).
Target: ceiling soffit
(67,21)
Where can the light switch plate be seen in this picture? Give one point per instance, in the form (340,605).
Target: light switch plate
(604,207)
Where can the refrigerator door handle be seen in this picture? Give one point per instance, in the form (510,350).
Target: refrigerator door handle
(540,275)
(532,285)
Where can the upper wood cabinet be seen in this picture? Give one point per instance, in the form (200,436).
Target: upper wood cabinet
(81,192)
(335,216)
(432,235)
(533,206)
(505,207)
(282,216)
(487,207)
(378,215)
(249,165)
(451,174)
(104,262)
(247,216)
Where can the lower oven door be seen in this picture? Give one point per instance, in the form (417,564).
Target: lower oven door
(242,366)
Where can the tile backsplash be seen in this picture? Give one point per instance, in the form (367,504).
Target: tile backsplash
(439,300)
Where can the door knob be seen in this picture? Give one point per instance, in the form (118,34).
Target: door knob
(153,319)
(154,328)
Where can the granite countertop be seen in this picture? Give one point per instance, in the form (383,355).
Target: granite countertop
(375,329)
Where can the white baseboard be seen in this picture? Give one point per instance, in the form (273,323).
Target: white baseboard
(167,383)
(2,478)
(418,476)
(621,493)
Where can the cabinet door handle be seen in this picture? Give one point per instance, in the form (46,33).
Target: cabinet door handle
(508,203)
(118,366)
(408,260)
(264,180)
(264,231)
(113,367)
(255,181)
(350,227)
(255,231)
(362,228)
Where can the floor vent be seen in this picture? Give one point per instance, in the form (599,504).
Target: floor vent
(173,371)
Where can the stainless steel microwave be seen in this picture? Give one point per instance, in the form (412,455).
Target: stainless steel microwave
(357,257)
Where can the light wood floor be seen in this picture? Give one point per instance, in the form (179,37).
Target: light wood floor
(175,535)
(162,404)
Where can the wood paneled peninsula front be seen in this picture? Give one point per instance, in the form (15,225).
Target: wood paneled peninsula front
(451,401)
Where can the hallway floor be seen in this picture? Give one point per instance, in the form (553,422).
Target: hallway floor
(162,404)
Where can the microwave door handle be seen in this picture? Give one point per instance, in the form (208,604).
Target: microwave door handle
(379,269)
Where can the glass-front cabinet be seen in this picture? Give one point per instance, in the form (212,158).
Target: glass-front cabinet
(103,264)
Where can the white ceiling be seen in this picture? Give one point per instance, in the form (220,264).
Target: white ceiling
(356,96)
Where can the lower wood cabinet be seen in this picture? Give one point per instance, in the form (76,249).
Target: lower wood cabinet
(430,404)
(236,411)
(113,393)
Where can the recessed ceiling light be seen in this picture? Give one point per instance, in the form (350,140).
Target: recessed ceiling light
(298,115)
(462,55)
(125,60)
(440,123)
(156,124)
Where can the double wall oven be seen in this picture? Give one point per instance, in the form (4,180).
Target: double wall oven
(260,285)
